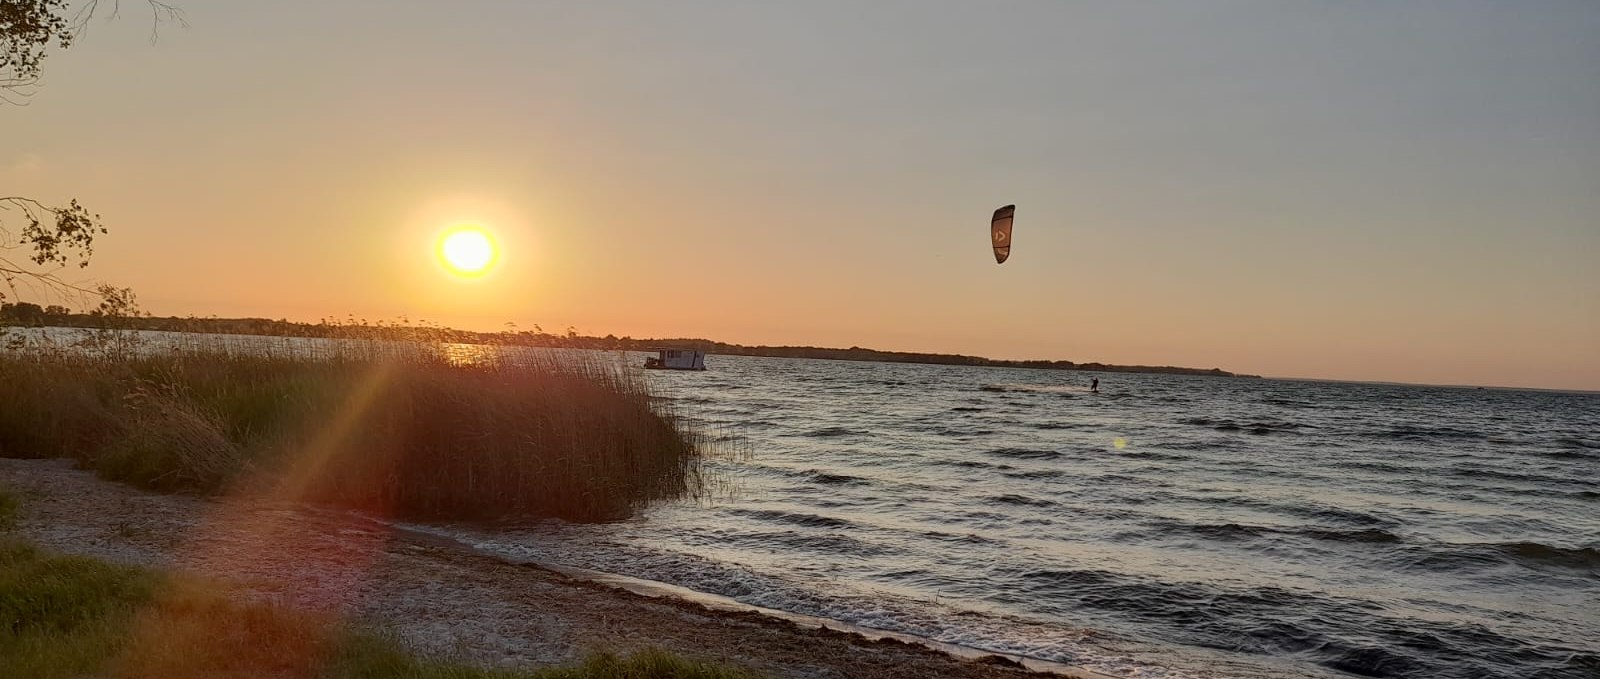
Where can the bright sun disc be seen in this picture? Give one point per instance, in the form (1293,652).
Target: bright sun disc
(467,251)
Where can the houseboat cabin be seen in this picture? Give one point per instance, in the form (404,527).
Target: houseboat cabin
(677,359)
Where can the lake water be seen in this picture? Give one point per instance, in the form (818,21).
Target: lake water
(1166,525)
(1170,526)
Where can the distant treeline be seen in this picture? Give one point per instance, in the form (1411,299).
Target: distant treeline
(26,314)
(863,354)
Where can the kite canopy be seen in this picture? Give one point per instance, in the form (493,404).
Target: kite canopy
(1000,233)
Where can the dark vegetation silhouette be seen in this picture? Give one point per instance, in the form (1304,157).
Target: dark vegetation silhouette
(397,428)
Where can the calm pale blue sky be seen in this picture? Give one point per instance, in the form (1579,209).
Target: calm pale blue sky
(1356,190)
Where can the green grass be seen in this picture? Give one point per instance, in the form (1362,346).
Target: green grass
(64,617)
(74,617)
(403,429)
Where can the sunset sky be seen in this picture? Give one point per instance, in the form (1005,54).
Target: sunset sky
(1383,191)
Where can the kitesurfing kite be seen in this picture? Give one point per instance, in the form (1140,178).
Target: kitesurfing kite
(1000,233)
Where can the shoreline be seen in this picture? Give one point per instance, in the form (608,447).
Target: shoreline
(443,598)
(718,604)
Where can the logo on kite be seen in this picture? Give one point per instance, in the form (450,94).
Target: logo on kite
(1000,232)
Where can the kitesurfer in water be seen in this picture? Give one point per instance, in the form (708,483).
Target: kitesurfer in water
(1094,385)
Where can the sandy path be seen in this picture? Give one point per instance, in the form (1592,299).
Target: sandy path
(438,598)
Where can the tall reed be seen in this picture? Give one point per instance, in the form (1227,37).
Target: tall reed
(410,429)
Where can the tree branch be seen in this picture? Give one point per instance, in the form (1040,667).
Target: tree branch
(28,27)
(55,235)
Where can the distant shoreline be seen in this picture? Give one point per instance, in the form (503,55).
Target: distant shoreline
(570,340)
(1430,385)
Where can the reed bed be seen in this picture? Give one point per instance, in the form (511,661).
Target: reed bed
(411,429)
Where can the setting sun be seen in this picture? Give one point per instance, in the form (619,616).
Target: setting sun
(467,251)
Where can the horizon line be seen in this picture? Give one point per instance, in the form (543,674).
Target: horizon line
(329,320)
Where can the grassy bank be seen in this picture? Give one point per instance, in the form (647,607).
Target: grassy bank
(69,617)
(402,429)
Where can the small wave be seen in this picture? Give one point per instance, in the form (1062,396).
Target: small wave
(976,464)
(831,543)
(1339,514)
(1256,428)
(1036,474)
(967,409)
(1470,557)
(1350,635)
(1236,500)
(1025,453)
(1213,444)
(905,574)
(1034,388)
(1235,531)
(1056,425)
(1152,455)
(965,538)
(1076,577)
(1321,513)
(981,519)
(830,432)
(1277,621)
(1569,454)
(1410,433)
(1370,466)
(1371,535)
(809,520)
(1372,661)
(948,432)
(1574,442)
(1216,531)
(1020,500)
(1472,471)
(836,479)
(1585,558)
(1288,403)
(1124,479)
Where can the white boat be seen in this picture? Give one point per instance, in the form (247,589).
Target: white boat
(676,359)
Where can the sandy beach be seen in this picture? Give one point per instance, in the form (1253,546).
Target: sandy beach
(439,598)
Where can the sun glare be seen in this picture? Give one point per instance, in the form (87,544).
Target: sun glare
(467,251)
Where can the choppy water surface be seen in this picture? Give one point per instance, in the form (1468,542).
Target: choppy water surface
(1327,528)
